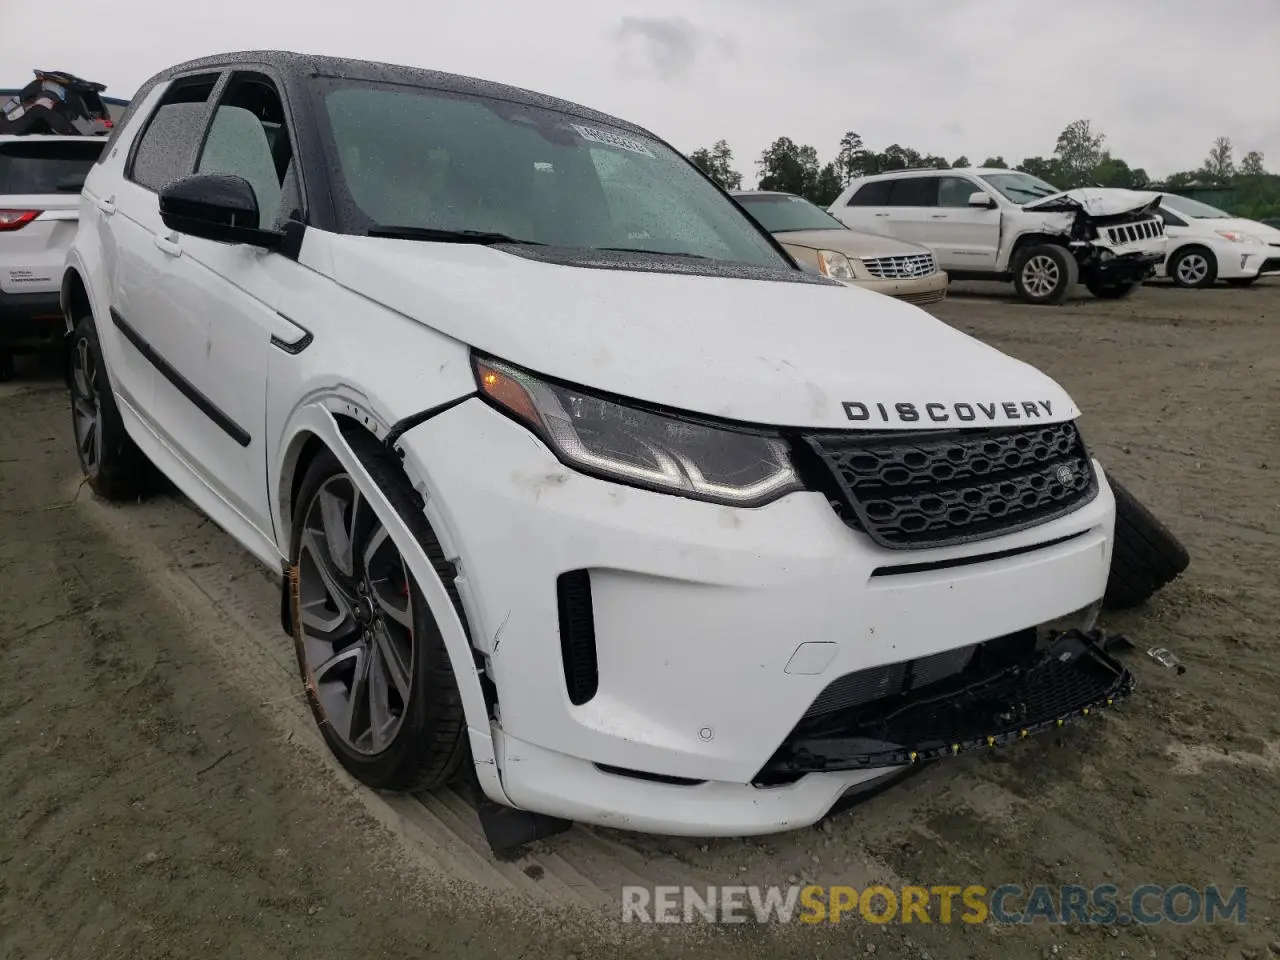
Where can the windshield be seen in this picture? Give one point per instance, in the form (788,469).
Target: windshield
(779,213)
(1193,208)
(431,160)
(39,165)
(1020,187)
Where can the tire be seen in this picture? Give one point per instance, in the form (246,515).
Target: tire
(403,728)
(1193,268)
(1241,281)
(6,365)
(113,466)
(1145,556)
(1112,290)
(1045,274)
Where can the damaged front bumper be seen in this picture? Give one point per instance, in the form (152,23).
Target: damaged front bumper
(1126,267)
(1009,689)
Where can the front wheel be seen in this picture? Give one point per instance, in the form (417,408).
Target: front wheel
(1112,289)
(1045,274)
(375,667)
(1193,268)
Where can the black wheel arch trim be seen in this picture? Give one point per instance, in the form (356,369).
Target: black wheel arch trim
(184,386)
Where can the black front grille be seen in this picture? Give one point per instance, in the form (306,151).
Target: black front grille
(929,489)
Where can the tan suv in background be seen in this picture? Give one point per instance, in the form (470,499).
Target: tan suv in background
(820,242)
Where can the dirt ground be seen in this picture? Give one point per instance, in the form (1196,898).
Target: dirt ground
(163,793)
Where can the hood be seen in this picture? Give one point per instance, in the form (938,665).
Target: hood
(1239,224)
(1096,201)
(756,351)
(851,243)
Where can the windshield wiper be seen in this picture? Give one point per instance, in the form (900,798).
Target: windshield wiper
(656,253)
(446,236)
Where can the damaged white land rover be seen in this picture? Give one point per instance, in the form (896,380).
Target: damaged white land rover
(577,484)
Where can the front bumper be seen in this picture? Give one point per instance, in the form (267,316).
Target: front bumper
(31,320)
(1128,267)
(715,628)
(918,290)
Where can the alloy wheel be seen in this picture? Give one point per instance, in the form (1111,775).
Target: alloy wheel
(1040,276)
(1193,269)
(86,412)
(356,617)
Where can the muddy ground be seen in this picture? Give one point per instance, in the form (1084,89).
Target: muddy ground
(163,794)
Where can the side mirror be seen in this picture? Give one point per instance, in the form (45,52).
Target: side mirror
(215,206)
(980,198)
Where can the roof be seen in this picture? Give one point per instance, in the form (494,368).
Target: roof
(299,66)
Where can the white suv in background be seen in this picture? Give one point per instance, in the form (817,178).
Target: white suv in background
(995,224)
(40,181)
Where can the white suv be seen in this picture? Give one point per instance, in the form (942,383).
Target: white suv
(575,481)
(989,224)
(40,180)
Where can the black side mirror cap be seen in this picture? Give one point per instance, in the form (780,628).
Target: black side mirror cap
(215,206)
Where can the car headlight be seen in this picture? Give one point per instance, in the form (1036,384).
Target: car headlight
(1235,236)
(640,447)
(835,265)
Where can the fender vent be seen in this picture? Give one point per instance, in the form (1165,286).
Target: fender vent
(577,636)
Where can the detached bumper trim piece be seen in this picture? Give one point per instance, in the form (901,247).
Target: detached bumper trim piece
(1070,678)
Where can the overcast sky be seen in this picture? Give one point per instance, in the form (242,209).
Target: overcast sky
(1161,78)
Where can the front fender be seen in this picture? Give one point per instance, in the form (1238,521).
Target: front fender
(316,420)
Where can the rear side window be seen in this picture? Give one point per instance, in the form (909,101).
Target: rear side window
(914,192)
(168,146)
(46,166)
(873,194)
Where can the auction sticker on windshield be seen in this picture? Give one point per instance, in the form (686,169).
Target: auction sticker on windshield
(612,139)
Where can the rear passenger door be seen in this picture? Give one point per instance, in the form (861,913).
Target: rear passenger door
(867,209)
(912,201)
(144,326)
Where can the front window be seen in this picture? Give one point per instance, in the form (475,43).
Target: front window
(1193,208)
(1020,187)
(429,160)
(781,213)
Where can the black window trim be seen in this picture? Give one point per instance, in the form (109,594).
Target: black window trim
(258,73)
(220,78)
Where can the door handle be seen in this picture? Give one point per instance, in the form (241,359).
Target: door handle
(105,207)
(168,246)
(881,214)
(937,216)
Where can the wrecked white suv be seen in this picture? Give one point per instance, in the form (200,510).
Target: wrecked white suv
(995,224)
(576,483)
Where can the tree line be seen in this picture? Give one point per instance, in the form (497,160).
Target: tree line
(1080,159)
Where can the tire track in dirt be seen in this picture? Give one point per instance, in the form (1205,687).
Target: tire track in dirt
(232,603)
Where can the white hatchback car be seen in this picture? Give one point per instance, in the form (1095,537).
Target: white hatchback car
(577,484)
(1208,244)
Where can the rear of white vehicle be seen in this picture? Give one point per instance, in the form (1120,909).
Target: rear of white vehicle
(40,180)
